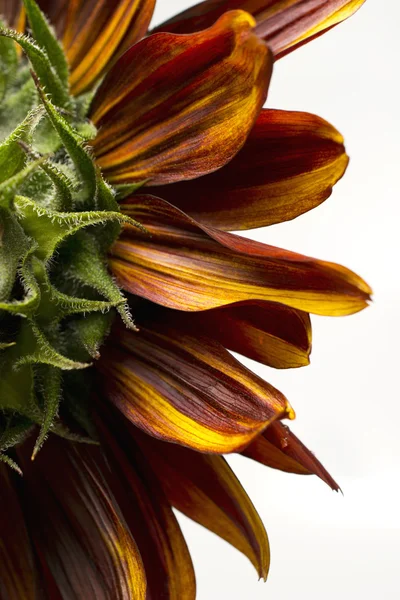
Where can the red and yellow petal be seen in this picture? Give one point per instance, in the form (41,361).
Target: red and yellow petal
(284,24)
(184,387)
(18,573)
(279,448)
(178,107)
(288,165)
(190,267)
(96,32)
(147,511)
(204,488)
(76,525)
(270,333)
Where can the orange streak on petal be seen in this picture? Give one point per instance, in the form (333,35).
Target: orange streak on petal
(171,110)
(190,267)
(187,388)
(206,490)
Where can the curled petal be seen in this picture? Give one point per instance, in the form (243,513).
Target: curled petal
(279,448)
(284,24)
(187,266)
(147,512)
(287,166)
(76,524)
(273,334)
(186,388)
(17,566)
(204,488)
(171,109)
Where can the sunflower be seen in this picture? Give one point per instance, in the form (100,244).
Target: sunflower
(126,160)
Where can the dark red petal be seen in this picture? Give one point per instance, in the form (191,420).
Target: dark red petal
(187,266)
(273,334)
(284,24)
(287,166)
(147,511)
(205,489)
(170,109)
(185,387)
(279,448)
(18,571)
(76,524)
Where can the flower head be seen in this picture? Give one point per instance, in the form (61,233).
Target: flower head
(125,162)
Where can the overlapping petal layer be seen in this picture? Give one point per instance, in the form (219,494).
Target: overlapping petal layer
(18,574)
(185,387)
(93,32)
(79,533)
(171,109)
(287,166)
(147,512)
(96,32)
(279,448)
(273,334)
(190,267)
(204,488)
(284,24)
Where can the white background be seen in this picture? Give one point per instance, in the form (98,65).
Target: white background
(326,546)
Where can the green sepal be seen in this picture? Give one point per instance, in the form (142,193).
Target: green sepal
(16,387)
(49,228)
(5,345)
(90,332)
(55,305)
(39,350)
(12,155)
(8,63)
(4,458)
(17,105)
(15,434)
(50,379)
(62,184)
(74,146)
(63,431)
(87,267)
(127,189)
(62,200)
(42,67)
(9,187)
(45,37)
(31,301)
(46,140)
(14,246)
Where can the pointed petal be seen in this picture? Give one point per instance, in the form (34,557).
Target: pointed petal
(170,108)
(273,334)
(17,565)
(96,32)
(186,388)
(279,448)
(147,512)
(287,25)
(77,527)
(190,267)
(287,166)
(204,488)
(284,24)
